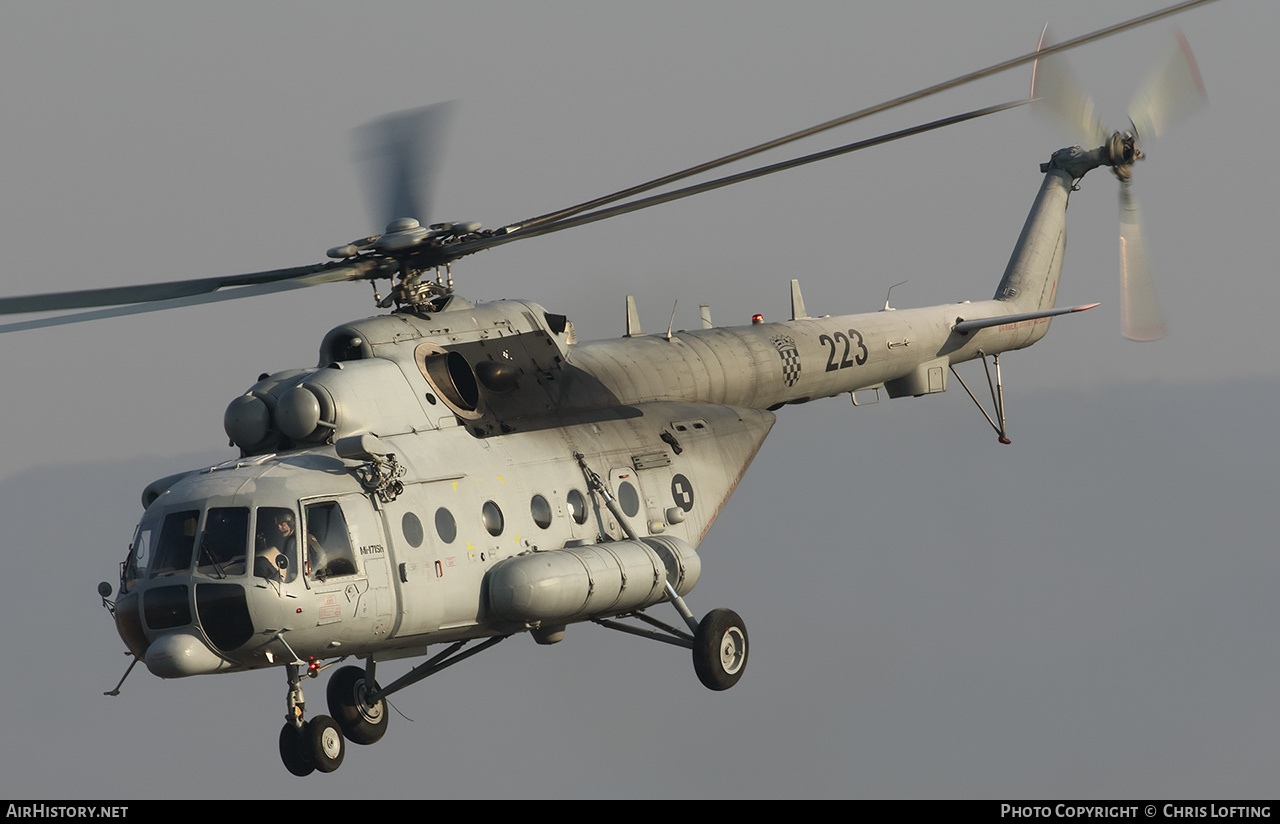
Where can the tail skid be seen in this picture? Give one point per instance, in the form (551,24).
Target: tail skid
(997,397)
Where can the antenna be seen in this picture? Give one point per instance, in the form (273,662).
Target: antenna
(887,307)
(633,318)
(797,301)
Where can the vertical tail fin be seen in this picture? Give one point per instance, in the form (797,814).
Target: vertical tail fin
(1030,280)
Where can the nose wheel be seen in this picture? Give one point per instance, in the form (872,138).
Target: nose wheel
(291,750)
(316,745)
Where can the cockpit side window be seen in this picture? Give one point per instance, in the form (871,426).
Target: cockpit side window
(135,566)
(328,542)
(224,542)
(177,540)
(275,544)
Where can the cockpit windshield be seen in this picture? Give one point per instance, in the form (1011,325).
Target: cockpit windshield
(168,544)
(172,543)
(177,540)
(224,542)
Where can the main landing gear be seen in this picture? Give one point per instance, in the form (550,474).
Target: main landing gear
(720,649)
(719,640)
(362,719)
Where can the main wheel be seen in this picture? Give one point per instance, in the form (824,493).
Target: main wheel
(291,751)
(720,649)
(361,722)
(323,743)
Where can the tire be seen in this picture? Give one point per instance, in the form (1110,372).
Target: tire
(323,743)
(360,722)
(291,751)
(720,649)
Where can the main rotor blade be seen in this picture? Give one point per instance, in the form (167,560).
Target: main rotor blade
(118,295)
(400,154)
(1140,315)
(313,277)
(470,247)
(1170,94)
(858,115)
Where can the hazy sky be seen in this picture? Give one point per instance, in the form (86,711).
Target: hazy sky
(1088,612)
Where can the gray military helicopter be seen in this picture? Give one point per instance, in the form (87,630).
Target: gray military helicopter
(451,474)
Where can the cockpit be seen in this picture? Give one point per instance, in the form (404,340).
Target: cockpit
(203,574)
(165,544)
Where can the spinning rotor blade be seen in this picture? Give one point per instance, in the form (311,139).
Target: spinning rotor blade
(470,247)
(1171,93)
(133,300)
(119,295)
(400,154)
(1140,315)
(560,214)
(401,150)
(1055,93)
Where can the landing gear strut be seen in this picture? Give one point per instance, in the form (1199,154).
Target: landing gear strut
(359,707)
(719,640)
(997,395)
(306,746)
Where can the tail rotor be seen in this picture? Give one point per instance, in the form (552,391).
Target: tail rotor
(1172,92)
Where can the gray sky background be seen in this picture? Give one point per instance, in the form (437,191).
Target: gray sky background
(1089,612)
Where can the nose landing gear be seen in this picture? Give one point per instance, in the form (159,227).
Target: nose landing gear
(307,746)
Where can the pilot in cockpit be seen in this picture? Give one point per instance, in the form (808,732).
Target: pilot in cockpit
(276,545)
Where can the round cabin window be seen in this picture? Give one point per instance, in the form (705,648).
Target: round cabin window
(541,511)
(492,517)
(446,527)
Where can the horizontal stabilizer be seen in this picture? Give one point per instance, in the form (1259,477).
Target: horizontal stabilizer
(964,327)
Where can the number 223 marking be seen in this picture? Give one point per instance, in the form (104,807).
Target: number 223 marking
(832,364)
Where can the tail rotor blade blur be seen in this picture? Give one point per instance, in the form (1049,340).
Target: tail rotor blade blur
(1057,96)
(1140,315)
(1170,94)
(400,155)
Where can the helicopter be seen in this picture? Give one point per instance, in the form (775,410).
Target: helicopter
(490,360)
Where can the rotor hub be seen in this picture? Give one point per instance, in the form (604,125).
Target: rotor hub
(1124,152)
